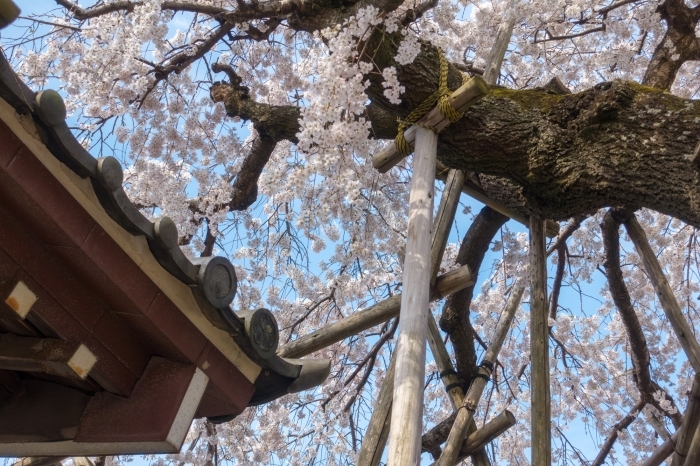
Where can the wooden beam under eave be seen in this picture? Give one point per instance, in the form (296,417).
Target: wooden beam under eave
(57,357)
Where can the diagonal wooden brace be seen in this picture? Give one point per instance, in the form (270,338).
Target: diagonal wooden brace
(466,415)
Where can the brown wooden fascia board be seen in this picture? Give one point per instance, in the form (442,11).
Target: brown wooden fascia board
(136,247)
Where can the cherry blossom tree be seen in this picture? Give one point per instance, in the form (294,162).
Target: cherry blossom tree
(253,125)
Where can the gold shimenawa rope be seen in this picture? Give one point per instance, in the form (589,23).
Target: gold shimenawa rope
(441,97)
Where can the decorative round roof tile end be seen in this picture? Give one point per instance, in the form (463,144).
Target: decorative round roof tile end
(110,173)
(263,332)
(9,12)
(50,107)
(217,281)
(166,231)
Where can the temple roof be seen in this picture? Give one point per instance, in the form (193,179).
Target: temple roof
(102,314)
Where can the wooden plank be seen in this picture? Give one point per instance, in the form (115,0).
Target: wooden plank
(57,357)
(664,451)
(376,314)
(691,419)
(377,432)
(464,97)
(539,347)
(471,401)
(664,292)
(407,410)
(481,437)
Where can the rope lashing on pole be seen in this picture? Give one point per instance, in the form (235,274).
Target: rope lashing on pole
(439,97)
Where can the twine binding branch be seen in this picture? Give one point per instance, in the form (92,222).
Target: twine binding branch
(441,97)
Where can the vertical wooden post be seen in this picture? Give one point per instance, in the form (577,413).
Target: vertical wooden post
(691,419)
(407,411)
(693,457)
(539,348)
(378,429)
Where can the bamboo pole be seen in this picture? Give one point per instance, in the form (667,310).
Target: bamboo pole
(407,411)
(376,314)
(664,292)
(664,451)
(471,401)
(691,419)
(378,428)
(693,458)
(539,348)
(487,433)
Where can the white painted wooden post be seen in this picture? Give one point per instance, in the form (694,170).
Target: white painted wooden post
(407,409)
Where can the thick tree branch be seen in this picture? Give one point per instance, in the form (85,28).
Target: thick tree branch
(83,14)
(678,45)
(455,314)
(639,350)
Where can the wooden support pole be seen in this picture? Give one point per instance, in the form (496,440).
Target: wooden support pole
(691,419)
(448,375)
(659,427)
(407,411)
(376,314)
(471,401)
(475,192)
(481,437)
(82,461)
(693,458)
(664,451)
(40,461)
(378,429)
(53,356)
(377,432)
(498,50)
(464,97)
(539,348)
(444,220)
(665,293)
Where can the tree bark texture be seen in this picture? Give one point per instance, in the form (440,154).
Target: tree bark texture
(559,155)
